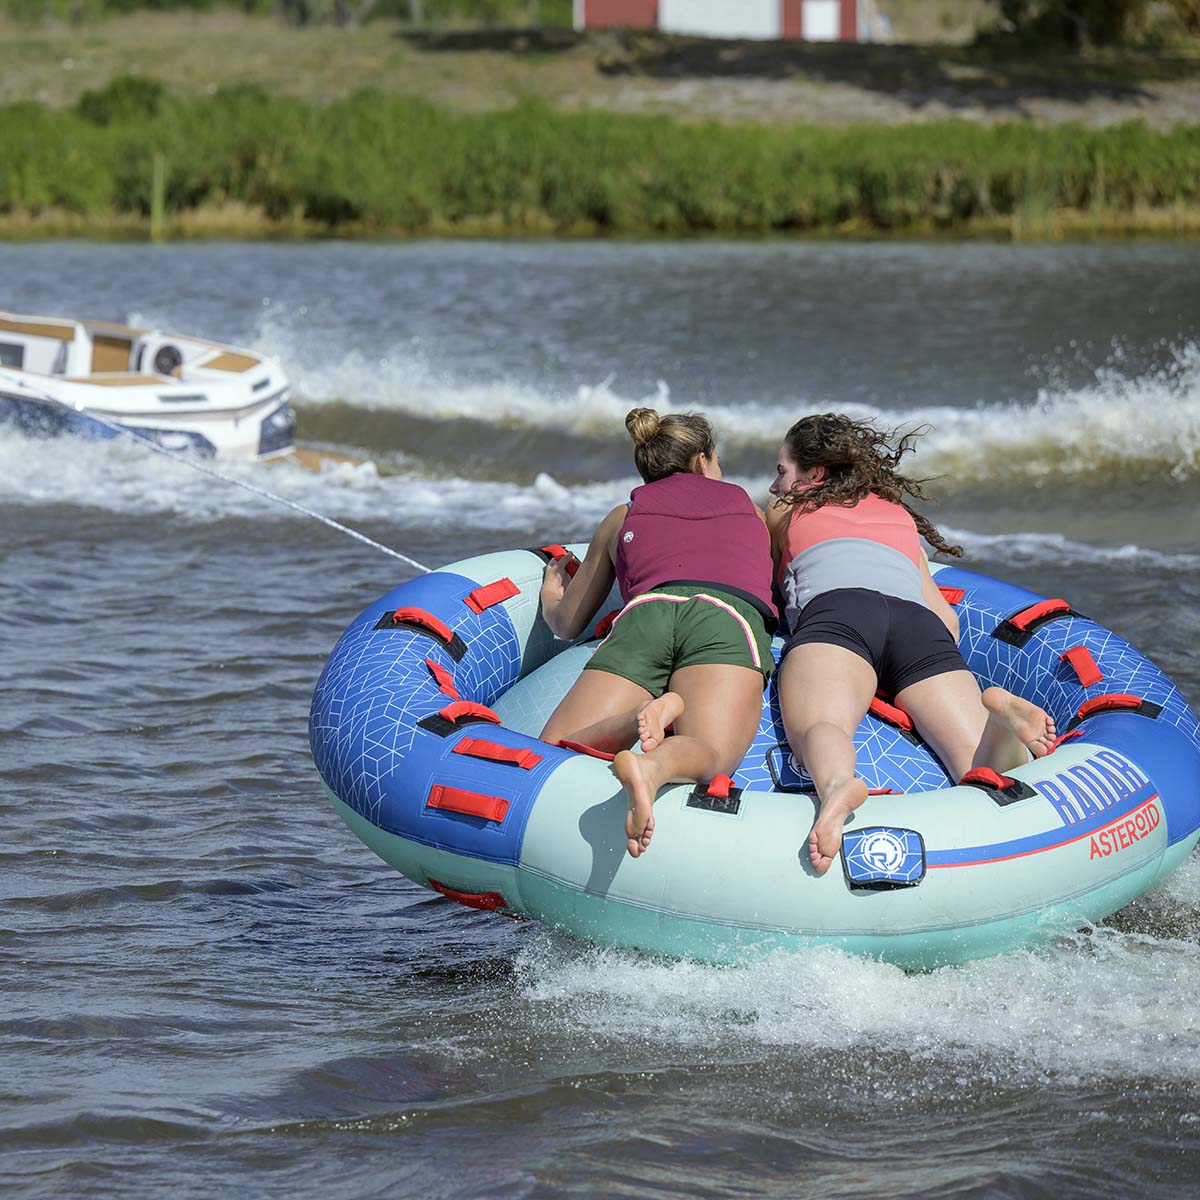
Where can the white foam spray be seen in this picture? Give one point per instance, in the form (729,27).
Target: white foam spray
(122,477)
(1140,423)
(1104,1003)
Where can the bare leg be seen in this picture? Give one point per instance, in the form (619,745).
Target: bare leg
(601,710)
(949,715)
(966,729)
(720,714)
(824,693)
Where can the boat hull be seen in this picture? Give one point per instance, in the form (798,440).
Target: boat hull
(98,380)
(266,432)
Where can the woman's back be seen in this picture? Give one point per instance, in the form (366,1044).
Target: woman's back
(688,528)
(873,544)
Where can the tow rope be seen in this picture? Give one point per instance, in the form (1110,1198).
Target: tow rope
(187,461)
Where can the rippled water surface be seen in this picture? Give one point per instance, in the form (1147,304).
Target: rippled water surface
(210,984)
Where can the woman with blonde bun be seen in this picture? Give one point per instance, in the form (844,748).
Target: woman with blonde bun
(691,648)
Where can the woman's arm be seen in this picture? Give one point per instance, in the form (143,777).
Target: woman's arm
(568,604)
(777,517)
(936,601)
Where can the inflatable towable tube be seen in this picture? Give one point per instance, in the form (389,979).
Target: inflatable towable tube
(424,723)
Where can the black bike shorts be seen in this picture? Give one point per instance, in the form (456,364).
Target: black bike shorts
(903,641)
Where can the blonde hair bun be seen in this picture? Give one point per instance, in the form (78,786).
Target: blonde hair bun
(642,424)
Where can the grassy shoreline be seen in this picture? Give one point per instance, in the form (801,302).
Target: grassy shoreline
(235,222)
(527,134)
(242,163)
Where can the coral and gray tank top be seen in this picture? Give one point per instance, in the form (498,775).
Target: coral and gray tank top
(872,544)
(691,529)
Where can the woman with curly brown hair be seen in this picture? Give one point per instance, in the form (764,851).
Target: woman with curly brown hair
(692,557)
(864,613)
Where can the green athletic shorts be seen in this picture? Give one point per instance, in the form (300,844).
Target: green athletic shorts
(683,625)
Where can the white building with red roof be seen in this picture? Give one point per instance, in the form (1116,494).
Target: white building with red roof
(807,20)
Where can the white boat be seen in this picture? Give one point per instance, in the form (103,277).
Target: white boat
(98,379)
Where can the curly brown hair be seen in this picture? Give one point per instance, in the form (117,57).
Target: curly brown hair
(858,459)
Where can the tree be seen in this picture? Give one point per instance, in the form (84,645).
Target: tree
(1187,13)
(1077,23)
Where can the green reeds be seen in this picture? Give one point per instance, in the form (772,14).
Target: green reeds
(158,207)
(376,164)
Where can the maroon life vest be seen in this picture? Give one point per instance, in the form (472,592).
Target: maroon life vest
(690,529)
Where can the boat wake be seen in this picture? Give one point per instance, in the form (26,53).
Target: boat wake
(124,478)
(1144,426)
(1089,1006)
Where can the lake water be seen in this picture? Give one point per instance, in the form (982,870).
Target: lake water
(209,984)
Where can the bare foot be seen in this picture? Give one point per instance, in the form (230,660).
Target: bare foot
(655,716)
(1031,725)
(825,840)
(640,793)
